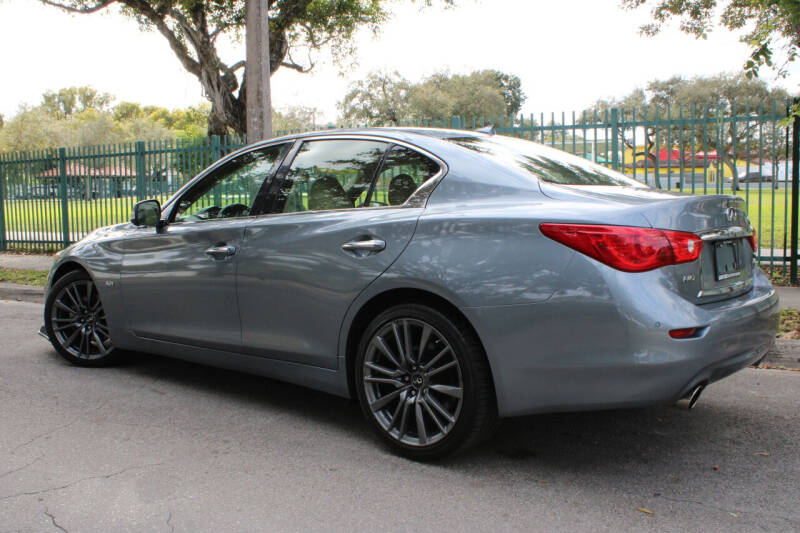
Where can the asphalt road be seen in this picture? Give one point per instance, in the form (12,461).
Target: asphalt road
(162,445)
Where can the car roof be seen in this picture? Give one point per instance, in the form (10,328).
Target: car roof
(400,133)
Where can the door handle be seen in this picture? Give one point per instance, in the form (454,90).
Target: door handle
(371,245)
(221,251)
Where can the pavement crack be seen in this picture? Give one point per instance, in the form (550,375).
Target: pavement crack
(23,467)
(71,483)
(42,435)
(56,524)
(171,527)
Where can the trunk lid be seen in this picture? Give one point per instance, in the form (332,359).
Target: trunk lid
(725,267)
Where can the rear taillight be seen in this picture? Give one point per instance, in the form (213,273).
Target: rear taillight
(753,242)
(631,249)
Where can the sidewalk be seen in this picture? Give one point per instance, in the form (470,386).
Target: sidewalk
(790,297)
(26,261)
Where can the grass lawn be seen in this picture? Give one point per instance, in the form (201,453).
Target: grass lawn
(37,278)
(41,219)
(768,216)
(790,324)
(761,211)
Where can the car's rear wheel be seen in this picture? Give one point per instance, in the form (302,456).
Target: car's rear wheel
(423,382)
(75,321)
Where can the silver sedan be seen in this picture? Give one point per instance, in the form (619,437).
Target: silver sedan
(443,278)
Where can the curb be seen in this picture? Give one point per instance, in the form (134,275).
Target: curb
(21,293)
(785,354)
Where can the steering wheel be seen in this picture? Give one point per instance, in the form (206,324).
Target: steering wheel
(234,210)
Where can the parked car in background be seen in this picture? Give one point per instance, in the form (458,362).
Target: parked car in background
(443,278)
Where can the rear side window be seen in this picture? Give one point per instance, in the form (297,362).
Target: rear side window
(402,173)
(546,164)
(330,174)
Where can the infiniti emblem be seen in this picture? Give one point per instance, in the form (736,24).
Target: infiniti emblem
(730,213)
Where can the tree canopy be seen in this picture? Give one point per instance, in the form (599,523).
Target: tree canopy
(765,24)
(64,103)
(389,98)
(82,116)
(721,94)
(299,29)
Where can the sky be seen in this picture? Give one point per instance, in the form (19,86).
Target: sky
(568,53)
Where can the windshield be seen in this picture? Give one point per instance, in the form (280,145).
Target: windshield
(547,164)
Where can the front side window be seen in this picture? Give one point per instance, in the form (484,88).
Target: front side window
(403,171)
(329,174)
(231,190)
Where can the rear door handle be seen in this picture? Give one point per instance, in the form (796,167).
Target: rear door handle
(371,245)
(221,251)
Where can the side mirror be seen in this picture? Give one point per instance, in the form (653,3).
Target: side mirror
(146,213)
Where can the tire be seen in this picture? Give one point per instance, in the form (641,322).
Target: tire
(76,324)
(445,388)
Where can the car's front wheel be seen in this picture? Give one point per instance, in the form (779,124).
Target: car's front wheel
(75,321)
(424,383)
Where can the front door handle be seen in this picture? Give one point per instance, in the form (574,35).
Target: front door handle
(221,251)
(371,245)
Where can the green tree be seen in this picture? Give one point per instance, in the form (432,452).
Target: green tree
(380,98)
(719,95)
(384,98)
(66,102)
(483,93)
(68,117)
(192,27)
(294,118)
(32,129)
(765,24)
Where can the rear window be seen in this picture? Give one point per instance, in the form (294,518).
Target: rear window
(547,164)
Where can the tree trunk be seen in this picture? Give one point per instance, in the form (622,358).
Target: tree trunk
(258,69)
(734,171)
(227,111)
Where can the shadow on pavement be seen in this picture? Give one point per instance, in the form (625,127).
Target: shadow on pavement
(666,442)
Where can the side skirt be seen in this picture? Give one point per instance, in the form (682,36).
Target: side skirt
(322,379)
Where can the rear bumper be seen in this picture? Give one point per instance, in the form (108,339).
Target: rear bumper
(608,347)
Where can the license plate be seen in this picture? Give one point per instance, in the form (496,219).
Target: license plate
(726,258)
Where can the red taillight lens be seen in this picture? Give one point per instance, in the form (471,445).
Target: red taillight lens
(753,242)
(630,249)
(683,333)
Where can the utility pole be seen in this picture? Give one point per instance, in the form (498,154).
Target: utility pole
(257,72)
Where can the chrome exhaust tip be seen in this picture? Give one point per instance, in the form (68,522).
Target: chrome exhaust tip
(688,401)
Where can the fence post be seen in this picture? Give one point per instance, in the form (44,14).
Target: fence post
(216,148)
(140,172)
(614,138)
(456,123)
(795,190)
(62,191)
(2,208)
